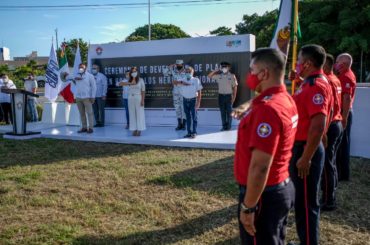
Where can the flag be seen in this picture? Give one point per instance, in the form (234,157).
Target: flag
(78,61)
(284,26)
(65,89)
(52,84)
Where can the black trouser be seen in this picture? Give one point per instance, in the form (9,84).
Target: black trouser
(330,174)
(344,151)
(99,111)
(271,216)
(7,111)
(225,104)
(307,205)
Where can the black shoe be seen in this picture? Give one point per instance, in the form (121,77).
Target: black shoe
(82,130)
(193,136)
(90,131)
(188,136)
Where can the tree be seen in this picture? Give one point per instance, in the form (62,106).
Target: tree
(222,31)
(71,48)
(261,26)
(158,32)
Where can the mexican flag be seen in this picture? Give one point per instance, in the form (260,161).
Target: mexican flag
(284,27)
(65,90)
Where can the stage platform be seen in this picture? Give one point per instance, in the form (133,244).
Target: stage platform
(208,137)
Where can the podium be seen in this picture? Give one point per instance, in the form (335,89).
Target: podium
(19,113)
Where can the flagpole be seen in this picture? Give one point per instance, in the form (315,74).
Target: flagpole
(295,41)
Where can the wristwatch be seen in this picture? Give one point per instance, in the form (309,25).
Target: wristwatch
(246,210)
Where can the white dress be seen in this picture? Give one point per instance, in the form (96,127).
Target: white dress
(136,111)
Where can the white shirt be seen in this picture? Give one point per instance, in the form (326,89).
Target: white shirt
(137,88)
(30,85)
(101,85)
(124,89)
(191,91)
(5,98)
(85,88)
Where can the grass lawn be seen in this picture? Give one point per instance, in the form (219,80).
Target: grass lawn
(69,192)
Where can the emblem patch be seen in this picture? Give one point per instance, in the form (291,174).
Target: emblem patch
(318,99)
(348,85)
(264,130)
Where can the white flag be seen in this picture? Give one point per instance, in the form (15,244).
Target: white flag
(52,85)
(281,38)
(76,65)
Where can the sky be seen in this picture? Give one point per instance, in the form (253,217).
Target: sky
(27,30)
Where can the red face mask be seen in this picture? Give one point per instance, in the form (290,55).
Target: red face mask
(252,81)
(338,67)
(299,68)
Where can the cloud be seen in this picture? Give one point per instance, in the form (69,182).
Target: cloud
(50,16)
(114,27)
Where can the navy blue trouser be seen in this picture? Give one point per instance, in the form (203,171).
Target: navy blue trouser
(225,104)
(307,205)
(330,174)
(99,111)
(191,115)
(344,151)
(271,216)
(125,105)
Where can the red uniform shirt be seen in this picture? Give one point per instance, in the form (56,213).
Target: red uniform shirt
(337,96)
(270,126)
(311,99)
(348,81)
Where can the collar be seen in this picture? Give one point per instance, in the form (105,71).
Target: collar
(268,93)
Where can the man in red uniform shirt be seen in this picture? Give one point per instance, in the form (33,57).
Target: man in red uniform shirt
(348,80)
(263,150)
(334,133)
(312,100)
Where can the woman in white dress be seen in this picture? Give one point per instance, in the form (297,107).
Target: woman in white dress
(136,98)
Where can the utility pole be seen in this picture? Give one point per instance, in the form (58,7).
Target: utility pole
(149,26)
(56,38)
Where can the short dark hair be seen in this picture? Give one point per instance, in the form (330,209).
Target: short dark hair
(272,58)
(225,63)
(314,53)
(329,60)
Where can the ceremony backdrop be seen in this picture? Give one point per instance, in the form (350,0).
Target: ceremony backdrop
(204,54)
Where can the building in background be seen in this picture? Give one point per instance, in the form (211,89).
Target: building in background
(21,61)
(4,54)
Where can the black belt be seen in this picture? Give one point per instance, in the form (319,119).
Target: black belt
(272,187)
(189,99)
(225,94)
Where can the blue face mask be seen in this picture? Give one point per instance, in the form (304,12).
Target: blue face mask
(188,76)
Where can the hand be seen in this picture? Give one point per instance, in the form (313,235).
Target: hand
(248,222)
(142,103)
(292,75)
(104,98)
(197,106)
(303,166)
(344,123)
(92,100)
(238,113)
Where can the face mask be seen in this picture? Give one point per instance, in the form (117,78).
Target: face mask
(252,81)
(299,68)
(338,67)
(81,70)
(225,70)
(134,74)
(94,71)
(188,76)
(179,67)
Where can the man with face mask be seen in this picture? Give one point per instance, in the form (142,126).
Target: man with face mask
(100,96)
(313,100)
(177,71)
(84,92)
(30,85)
(191,91)
(348,80)
(263,150)
(6,83)
(227,88)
